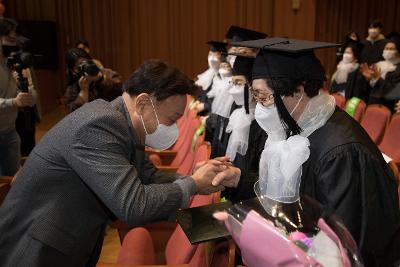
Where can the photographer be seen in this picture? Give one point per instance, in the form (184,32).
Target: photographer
(10,101)
(86,82)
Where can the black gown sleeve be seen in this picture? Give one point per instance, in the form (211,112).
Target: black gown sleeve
(362,190)
(383,87)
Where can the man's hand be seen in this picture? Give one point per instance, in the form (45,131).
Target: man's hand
(216,161)
(24,100)
(204,176)
(228,178)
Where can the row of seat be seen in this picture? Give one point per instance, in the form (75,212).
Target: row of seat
(382,126)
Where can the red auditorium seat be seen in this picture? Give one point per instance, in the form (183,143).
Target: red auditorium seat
(137,247)
(360,111)
(340,100)
(390,144)
(375,120)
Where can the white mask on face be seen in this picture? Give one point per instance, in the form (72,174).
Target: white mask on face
(213,62)
(163,137)
(269,121)
(389,54)
(348,58)
(237,92)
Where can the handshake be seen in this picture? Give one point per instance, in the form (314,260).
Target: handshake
(214,175)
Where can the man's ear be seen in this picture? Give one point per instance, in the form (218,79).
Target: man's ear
(141,101)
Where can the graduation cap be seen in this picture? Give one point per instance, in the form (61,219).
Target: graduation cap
(237,34)
(216,46)
(284,58)
(243,66)
(394,37)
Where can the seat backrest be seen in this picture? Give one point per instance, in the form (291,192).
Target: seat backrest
(375,120)
(178,249)
(340,100)
(199,257)
(360,109)
(390,144)
(185,142)
(186,165)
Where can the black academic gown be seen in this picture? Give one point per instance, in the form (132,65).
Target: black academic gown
(346,87)
(358,86)
(249,165)
(372,51)
(220,136)
(386,86)
(347,174)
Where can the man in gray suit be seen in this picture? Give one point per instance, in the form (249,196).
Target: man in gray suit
(90,169)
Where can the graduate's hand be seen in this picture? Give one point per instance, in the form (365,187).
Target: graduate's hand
(203,120)
(397,107)
(366,71)
(216,161)
(228,178)
(204,176)
(377,72)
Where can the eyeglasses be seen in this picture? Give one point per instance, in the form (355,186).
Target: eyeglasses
(264,99)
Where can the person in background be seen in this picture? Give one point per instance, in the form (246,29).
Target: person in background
(384,76)
(374,44)
(347,70)
(84,44)
(351,36)
(10,101)
(83,87)
(208,81)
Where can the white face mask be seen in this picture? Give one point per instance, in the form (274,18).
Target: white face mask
(231,59)
(213,62)
(389,54)
(163,137)
(348,58)
(237,92)
(269,121)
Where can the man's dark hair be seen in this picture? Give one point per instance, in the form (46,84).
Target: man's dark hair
(156,78)
(82,41)
(287,86)
(376,23)
(7,26)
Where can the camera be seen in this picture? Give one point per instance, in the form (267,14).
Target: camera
(88,67)
(20,59)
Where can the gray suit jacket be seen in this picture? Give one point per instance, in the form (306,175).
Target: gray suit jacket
(85,171)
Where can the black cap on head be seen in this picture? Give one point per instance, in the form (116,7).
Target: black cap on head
(394,37)
(238,34)
(286,58)
(216,46)
(243,66)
